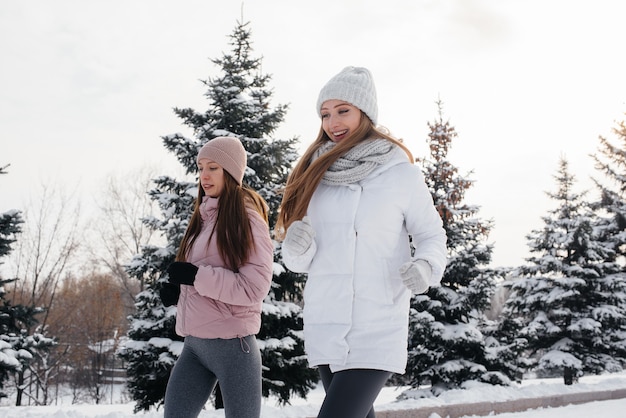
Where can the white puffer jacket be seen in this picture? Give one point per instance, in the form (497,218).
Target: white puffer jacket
(356,306)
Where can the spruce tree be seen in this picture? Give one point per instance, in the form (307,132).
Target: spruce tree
(610,210)
(9,226)
(446,344)
(9,357)
(16,350)
(610,161)
(240,106)
(18,347)
(566,307)
(9,361)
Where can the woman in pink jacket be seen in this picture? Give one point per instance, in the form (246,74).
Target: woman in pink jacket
(224,270)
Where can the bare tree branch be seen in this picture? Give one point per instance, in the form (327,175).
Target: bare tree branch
(120,229)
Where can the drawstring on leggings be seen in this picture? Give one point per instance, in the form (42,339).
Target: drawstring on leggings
(245,347)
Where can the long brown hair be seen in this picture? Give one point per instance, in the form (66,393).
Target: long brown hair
(306,175)
(232,228)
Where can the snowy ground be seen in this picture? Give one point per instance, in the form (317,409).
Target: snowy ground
(386,401)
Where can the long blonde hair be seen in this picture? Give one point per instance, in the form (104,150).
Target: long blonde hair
(306,175)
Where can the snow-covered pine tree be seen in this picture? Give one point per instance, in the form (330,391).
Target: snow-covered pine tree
(17,347)
(610,161)
(239,105)
(610,210)
(9,357)
(567,303)
(9,226)
(446,344)
(15,350)
(9,362)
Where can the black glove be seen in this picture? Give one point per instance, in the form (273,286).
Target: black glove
(169,294)
(181,272)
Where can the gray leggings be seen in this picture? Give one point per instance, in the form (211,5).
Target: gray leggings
(351,393)
(235,363)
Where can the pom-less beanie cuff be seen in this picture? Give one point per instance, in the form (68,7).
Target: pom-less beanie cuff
(355,86)
(227,152)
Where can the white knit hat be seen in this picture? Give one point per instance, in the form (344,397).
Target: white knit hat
(355,86)
(227,152)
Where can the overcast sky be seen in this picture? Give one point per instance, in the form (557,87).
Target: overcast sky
(87,87)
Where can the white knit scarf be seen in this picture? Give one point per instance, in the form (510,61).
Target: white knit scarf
(357,163)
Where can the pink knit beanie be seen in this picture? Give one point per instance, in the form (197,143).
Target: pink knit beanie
(227,152)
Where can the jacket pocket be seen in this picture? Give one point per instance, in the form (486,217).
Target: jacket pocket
(328,299)
(375,283)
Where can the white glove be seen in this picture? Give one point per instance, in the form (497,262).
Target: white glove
(299,237)
(416,276)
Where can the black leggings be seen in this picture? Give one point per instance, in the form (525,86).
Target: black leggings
(351,393)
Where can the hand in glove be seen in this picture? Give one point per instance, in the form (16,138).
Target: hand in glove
(416,276)
(299,237)
(181,272)
(169,293)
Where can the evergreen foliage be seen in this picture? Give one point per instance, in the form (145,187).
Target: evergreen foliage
(11,359)
(239,105)
(16,345)
(446,341)
(9,226)
(610,161)
(566,308)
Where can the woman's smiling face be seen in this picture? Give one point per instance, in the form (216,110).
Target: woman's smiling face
(339,119)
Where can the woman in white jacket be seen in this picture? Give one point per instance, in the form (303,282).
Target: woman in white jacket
(348,210)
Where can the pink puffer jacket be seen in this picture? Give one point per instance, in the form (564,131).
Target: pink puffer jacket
(222,303)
